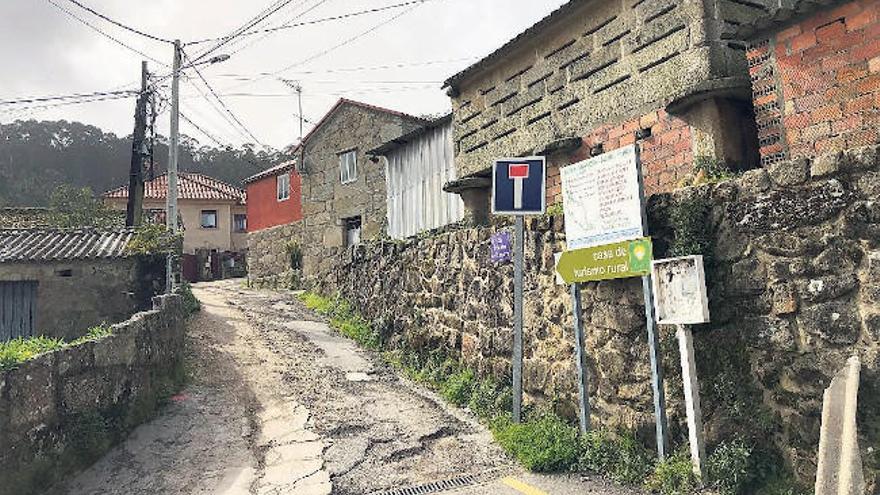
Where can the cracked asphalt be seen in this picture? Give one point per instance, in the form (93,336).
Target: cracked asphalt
(280,403)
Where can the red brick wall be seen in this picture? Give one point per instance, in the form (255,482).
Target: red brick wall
(263,208)
(817,83)
(667,155)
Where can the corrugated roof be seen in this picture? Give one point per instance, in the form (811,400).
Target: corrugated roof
(277,169)
(189,186)
(780,17)
(515,42)
(406,138)
(35,245)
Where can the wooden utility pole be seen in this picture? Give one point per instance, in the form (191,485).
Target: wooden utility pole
(135,207)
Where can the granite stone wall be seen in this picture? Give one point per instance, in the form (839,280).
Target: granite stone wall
(62,410)
(793,268)
(268,259)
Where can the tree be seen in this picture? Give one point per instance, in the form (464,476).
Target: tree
(73,208)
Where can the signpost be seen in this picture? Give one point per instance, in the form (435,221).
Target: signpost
(605,229)
(680,287)
(518,186)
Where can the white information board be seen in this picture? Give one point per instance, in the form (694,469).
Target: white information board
(600,198)
(680,291)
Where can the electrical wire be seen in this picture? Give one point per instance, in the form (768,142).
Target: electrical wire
(317,21)
(204,132)
(269,33)
(220,100)
(119,24)
(263,15)
(65,97)
(102,33)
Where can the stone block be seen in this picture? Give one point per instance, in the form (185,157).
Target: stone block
(784,299)
(790,173)
(31,392)
(75,359)
(837,323)
(755,182)
(828,164)
(827,288)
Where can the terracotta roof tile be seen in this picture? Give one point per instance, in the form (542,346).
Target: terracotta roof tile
(189,186)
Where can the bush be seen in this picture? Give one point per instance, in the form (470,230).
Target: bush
(190,302)
(489,399)
(621,457)
(459,387)
(94,333)
(730,467)
(17,351)
(674,476)
(545,444)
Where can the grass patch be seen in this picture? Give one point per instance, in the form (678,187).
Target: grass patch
(344,318)
(619,456)
(94,333)
(544,444)
(17,351)
(674,476)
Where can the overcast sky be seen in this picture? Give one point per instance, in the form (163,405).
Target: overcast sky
(46,52)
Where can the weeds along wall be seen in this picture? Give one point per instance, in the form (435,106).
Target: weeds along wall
(61,411)
(793,268)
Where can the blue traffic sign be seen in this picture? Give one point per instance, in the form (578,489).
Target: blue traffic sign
(518,186)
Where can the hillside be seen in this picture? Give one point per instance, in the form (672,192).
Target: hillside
(37,156)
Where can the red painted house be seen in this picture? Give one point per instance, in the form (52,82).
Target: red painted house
(274,197)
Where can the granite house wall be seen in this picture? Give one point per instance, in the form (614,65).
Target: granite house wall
(62,410)
(793,269)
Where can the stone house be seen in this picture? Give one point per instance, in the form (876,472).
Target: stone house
(816,75)
(343,191)
(596,75)
(61,282)
(417,165)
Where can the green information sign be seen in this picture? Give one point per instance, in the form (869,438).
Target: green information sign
(619,260)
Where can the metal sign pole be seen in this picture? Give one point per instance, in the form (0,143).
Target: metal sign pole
(692,399)
(653,344)
(580,355)
(518,319)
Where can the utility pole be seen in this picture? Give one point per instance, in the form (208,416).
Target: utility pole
(296,86)
(135,206)
(171,201)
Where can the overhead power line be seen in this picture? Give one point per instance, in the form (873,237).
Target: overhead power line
(220,100)
(267,34)
(119,24)
(262,16)
(317,21)
(244,77)
(204,132)
(66,97)
(102,33)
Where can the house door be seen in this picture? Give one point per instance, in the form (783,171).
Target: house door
(18,305)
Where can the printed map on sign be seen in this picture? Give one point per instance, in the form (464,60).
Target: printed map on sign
(600,197)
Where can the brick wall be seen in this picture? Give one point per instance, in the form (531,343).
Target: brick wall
(667,155)
(816,83)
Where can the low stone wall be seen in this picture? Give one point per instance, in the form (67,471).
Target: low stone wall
(61,411)
(793,268)
(267,259)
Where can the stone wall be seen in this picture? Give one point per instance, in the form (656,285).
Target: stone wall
(267,257)
(601,62)
(77,294)
(62,410)
(793,268)
(326,201)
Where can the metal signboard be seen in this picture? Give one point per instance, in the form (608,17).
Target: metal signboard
(680,291)
(501,247)
(619,260)
(519,185)
(602,200)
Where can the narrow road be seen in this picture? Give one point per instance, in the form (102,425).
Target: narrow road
(278,403)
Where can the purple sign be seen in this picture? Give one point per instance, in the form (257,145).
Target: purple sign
(501,247)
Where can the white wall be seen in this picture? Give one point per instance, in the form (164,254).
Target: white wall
(415,175)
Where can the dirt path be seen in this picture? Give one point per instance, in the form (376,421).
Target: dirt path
(279,403)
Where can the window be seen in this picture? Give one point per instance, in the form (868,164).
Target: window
(352,230)
(209,219)
(283,183)
(239,222)
(348,171)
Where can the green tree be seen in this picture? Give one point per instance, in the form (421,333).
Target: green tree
(72,207)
